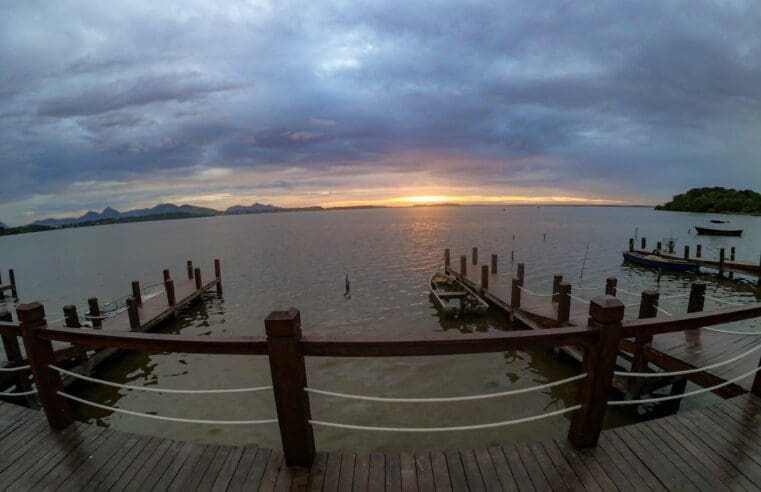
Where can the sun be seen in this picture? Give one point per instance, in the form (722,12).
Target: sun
(423,199)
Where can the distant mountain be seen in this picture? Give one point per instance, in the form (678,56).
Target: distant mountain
(256,208)
(109,213)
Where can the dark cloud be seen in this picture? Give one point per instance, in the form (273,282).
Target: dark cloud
(560,96)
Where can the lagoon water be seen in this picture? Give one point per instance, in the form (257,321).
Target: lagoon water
(273,261)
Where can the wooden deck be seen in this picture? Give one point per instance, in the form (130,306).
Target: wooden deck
(712,448)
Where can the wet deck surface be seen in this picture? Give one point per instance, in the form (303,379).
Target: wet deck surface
(713,448)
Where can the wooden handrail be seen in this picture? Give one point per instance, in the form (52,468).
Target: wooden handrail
(9,328)
(655,326)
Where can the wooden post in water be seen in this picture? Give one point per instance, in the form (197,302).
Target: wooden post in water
(512,256)
(199,283)
(697,297)
(289,382)
(521,273)
(699,251)
(170,296)
(463,265)
(40,355)
(605,315)
(671,245)
(756,388)
(218,275)
(610,286)
(13,354)
(447,258)
(515,293)
(732,253)
(190,269)
(485,277)
(2,291)
(136,293)
(643,244)
(474,256)
(166,276)
(686,251)
(647,309)
(564,302)
(494,264)
(133,314)
(721,262)
(556,281)
(12,280)
(658,246)
(71,317)
(95,312)
(631,244)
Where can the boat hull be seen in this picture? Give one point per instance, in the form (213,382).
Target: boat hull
(662,263)
(452,304)
(707,231)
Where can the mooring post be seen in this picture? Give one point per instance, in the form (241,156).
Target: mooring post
(12,280)
(2,291)
(721,262)
(756,388)
(732,253)
(289,382)
(494,264)
(40,355)
(521,273)
(485,277)
(447,258)
(169,288)
(136,292)
(463,265)
(515,293)
(671,245)
(658,246)
(686,251)
(166,275)
(698,251)
(199,283)
(697,297)
(643,243)
(133,314)
(647,309)
(611,283)
(218,275)
(13,354)
(71,317)
(605,315)
(564,302)
(512,256)
(474,256)
(556,280)
(631,244)
(97,322)
(190,269)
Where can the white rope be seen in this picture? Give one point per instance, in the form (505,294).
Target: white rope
(675,296)
(632,304)
(158,390)
(447,399)
(723,302)
(662,310)
(534,293)
(619,289)
(446,429)
(579,299)
(14,369)
(161,417)
(686,371)
(23,393)
(686,395)
(730,332)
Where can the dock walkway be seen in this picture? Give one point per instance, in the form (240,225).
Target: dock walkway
(712,448)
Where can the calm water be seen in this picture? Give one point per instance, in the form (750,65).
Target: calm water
(273,261)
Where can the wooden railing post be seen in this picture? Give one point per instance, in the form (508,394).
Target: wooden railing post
(190,269)
(521,273)
(564,302)
(474,257)
(136,292)
(218,275)
(515,293)
(289,381)
(494,264)
(556,281)
(463,265)
(721,262)
(170,296)
(94,312)
(658,246)
(610,286)
(166,275)
(40,355)
(605,315)
(199,282)
(133,314)
(485,277)
(698,251)
(71,317)
(12,280)
(447,258)
(697,297)
(13,354)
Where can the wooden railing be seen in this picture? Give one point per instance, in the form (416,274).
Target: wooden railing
(286,348)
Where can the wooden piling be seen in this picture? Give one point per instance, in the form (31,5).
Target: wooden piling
(658,246)
(756,388)
(494,264)
(190,269)
(611,283)
(515,293)
(447,258)
(556,281)
(218,275)
(170,296)
(721,262)
(643,243)
(12,280)
(2,291)
(199,283)
(732,253)
(71,317)
(512,256)
(605,315)
(485,277)
(289,382)
(686,251)
(97,322)
(13,354)
(474,256)
(564,302)
(697,297)
(521,273)
(40,356)
(631,244)
(136,292)
(699,251)
(463,265)
(133,314)
(166,276)
(671,246)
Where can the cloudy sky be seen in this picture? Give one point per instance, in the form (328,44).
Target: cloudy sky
(133,103)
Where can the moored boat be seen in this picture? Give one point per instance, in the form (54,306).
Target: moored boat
(656,261)
(453,298)
(710,231)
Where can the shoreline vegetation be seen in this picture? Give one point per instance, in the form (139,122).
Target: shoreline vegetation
(168,211)
(715,200)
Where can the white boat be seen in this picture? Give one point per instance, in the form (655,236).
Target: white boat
(453,298)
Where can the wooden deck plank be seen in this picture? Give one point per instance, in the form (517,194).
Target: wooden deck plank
(488,472)
(275,462)
(408,472)
(472,471)
(440,471)
(346,473)
(424,470)
(518,468)
(317,472)
(377,473)
(623,458)
(502,468)
(573,479)
(393,472)
(240,474)
(225,476)
(557,481)
(361,478)
(456,470)
(210,475)
(332,472)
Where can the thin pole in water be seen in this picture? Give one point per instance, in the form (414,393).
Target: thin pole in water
(581,275)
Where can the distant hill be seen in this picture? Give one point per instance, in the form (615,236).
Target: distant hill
(256,208)
(715,200)
(110,214)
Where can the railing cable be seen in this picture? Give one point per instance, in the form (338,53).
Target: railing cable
(21,393)
(446,399)
(535,293)
(686,371)
(14,369)
(722,301)
(579,299)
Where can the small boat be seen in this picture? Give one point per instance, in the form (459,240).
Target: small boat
(709,231)
(717,221)
(656,261)
(453,298)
